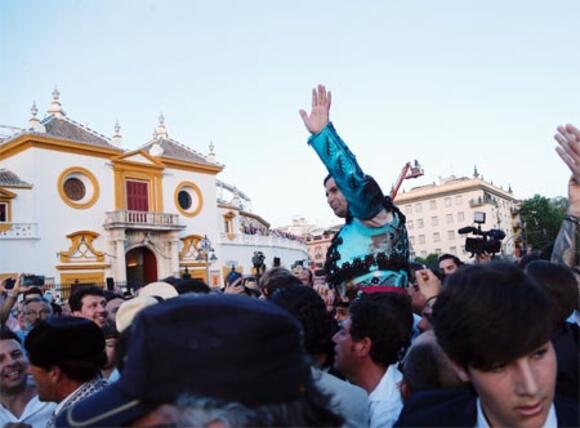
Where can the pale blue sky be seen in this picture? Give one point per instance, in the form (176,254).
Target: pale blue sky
(451,83)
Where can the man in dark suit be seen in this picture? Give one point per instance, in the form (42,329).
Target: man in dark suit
(494,323)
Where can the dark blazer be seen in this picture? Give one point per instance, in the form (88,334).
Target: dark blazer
(457,408)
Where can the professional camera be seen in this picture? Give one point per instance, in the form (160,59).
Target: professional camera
(490,241)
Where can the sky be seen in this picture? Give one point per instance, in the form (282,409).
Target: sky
(450,83)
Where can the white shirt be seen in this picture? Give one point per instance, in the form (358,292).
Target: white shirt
(36,413)
(348,400)
(385,400)
(551,421)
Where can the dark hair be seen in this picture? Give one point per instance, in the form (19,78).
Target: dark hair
(560,283)
(490,314)
(427,367)
(7,334)
(276,278)
(448,256)
(109,331)
(192,285)
(527,259)
(75,301)
(75,345)
(387,320)
(32,291)
(56,309)
(328,177)
(309,309)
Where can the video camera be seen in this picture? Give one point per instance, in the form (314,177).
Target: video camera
(490,241)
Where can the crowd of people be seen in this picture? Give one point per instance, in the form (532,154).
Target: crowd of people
(381,342)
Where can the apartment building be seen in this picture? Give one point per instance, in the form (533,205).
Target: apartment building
(435,212)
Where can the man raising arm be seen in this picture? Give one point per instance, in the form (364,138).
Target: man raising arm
(372,248)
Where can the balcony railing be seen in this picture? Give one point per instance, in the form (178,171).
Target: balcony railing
(261,241)
(142,220)
(20,231)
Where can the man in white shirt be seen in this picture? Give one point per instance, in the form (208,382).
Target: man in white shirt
(368,346)
(19,403)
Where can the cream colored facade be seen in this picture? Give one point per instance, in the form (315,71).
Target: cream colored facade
(435,213)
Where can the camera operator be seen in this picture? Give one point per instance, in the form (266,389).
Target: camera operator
(448,264)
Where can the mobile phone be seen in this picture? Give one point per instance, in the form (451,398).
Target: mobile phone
(9,283)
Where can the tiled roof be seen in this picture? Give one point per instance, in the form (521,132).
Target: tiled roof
(67,129)
(63,127)
(175,150)
(9,179)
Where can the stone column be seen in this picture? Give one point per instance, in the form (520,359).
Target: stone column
(120,265)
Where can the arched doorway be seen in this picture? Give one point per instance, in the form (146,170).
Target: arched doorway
(141,266)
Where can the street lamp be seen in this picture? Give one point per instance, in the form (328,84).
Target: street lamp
(205,252)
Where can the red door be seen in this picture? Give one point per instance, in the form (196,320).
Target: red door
(137,195)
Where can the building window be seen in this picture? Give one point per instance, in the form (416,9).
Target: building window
(453,250)
(438,251)
(418,207)
(188,199)
(412,239)
(78,187)
(451,235)
(421,239)
(74,189)
(460,217)
(436,237)
(184,199)
(408,209)
(433,204)
(409,224)
(449,218)
(420,223)
(447,202)
(423,253)
(3,212)
(458,200)
(434,221)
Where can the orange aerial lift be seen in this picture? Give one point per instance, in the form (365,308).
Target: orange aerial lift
(409,171)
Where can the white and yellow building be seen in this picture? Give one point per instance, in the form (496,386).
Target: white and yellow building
(78,208)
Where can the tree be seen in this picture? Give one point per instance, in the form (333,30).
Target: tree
(542,218)
(429,261)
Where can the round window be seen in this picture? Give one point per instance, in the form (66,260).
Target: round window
(184,199)
(188,199)
(74,189)
(78,187)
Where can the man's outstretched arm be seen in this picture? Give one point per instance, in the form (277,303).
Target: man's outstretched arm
(567,245)
(363,194)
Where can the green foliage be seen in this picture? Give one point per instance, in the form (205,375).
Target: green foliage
(542,218)
(430,260)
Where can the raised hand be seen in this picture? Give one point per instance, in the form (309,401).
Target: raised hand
(319,115)
(429,284)
(568,138)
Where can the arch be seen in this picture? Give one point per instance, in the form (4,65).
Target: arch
(141,266)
